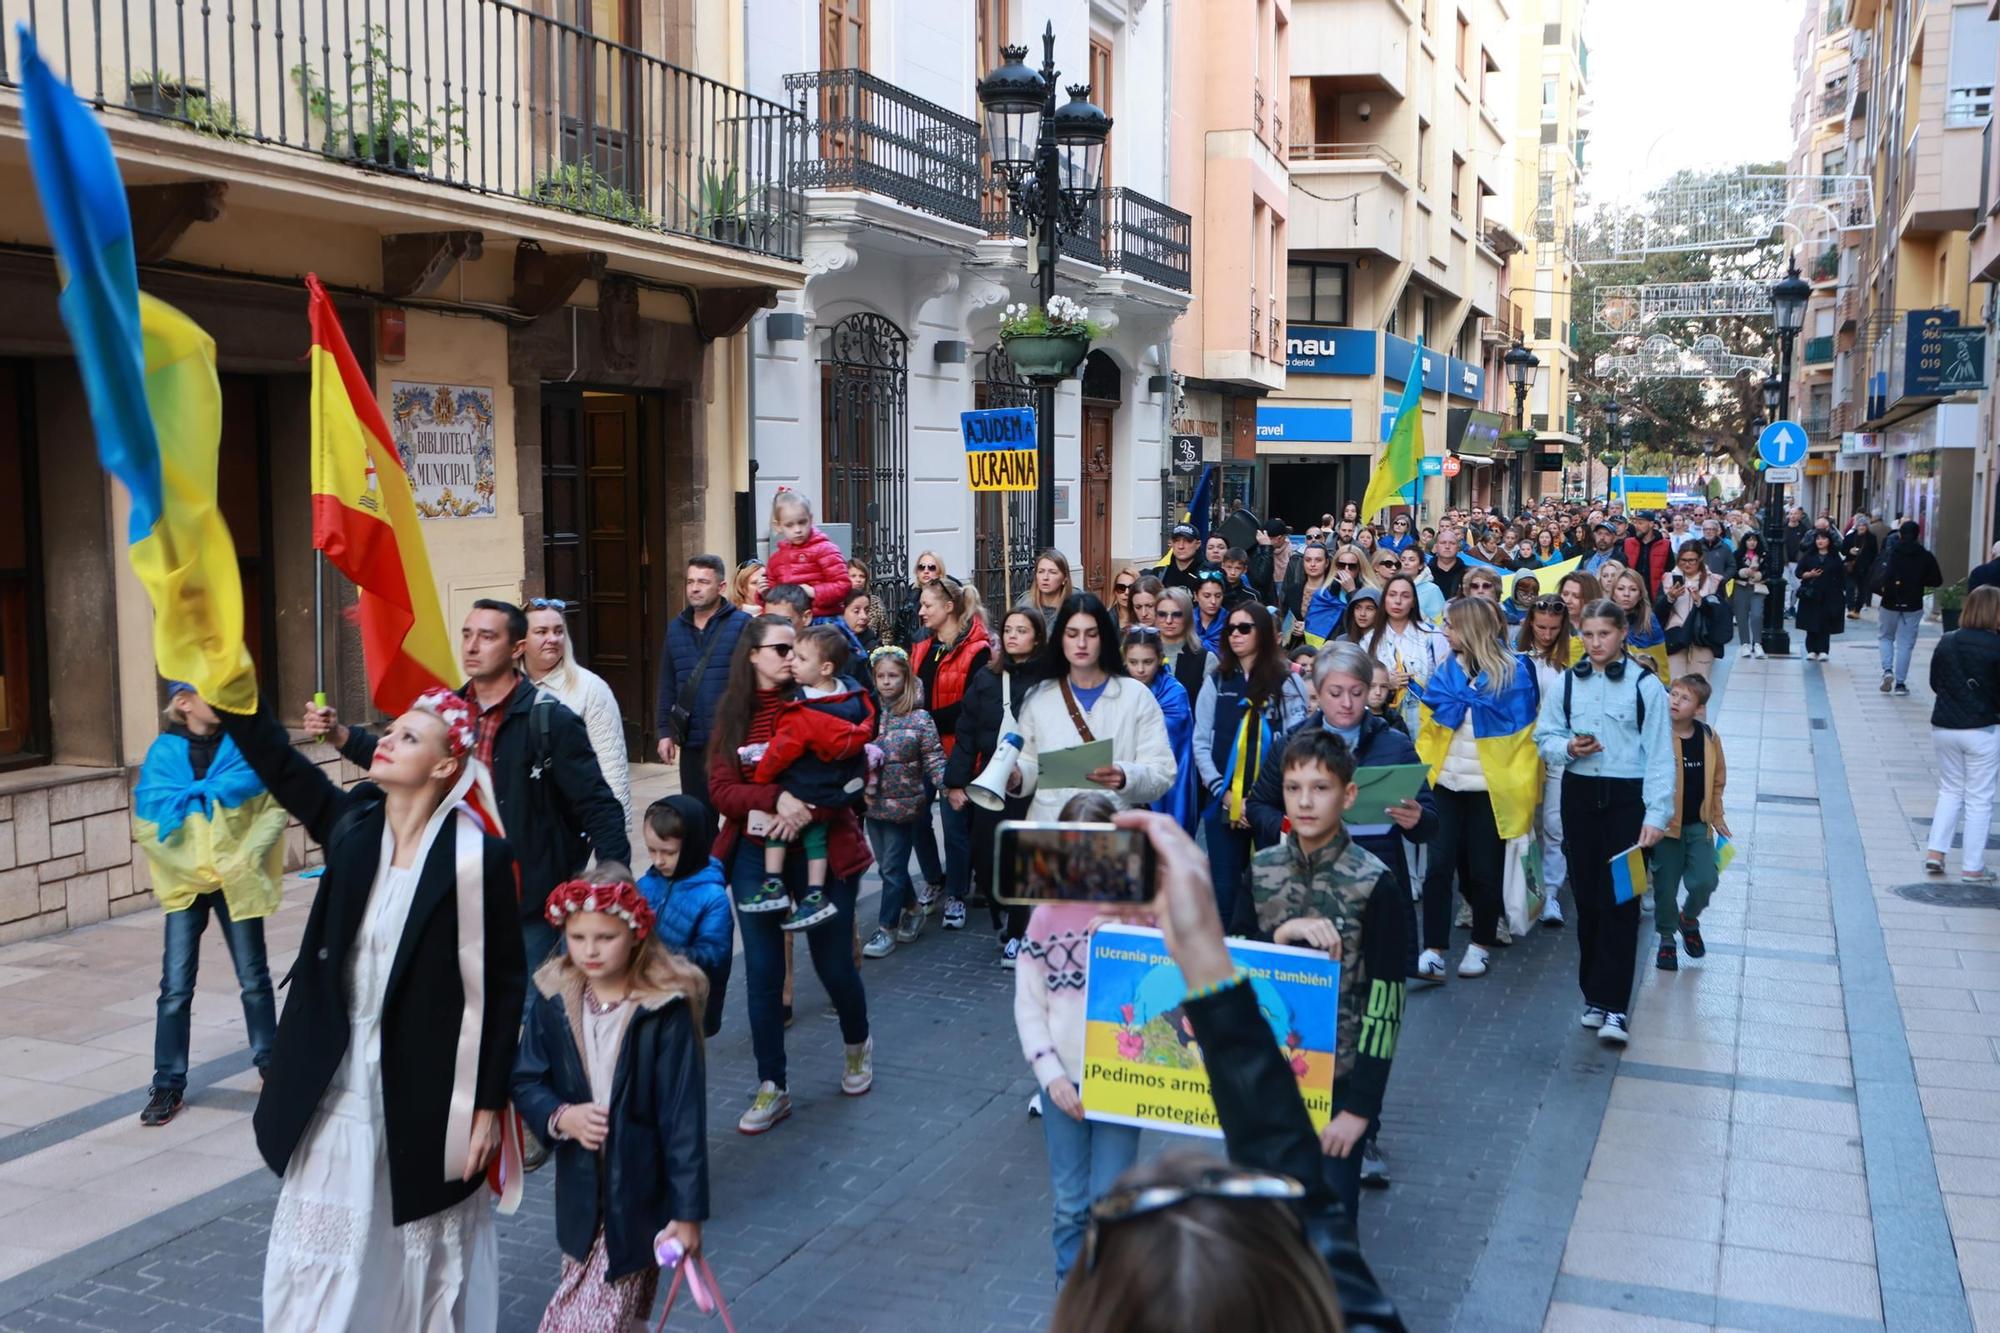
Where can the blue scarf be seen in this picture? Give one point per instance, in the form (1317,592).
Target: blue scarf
(1183,799)
(168,791)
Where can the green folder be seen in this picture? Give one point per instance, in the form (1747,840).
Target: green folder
(1071,767)
(1380,788)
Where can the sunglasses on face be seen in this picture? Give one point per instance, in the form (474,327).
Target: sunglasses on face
(1242,627)
(1347,564)
(1124,586)
(1164,614)
(547,604)
(927,568)
(781,649)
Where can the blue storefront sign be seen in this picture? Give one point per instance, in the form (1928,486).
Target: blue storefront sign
(1430,465)
(1923,350)
(1465,380)
(1397,354)
(1318,349)
(1305,425)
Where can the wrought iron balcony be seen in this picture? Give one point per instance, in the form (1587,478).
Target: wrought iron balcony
(862,133)
(477,95)
(1818,424)
(1132,234)
(1819,351)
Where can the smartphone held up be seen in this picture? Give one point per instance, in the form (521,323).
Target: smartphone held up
(1068,862)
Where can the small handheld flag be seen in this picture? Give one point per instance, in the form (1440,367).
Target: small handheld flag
(1725,852)
(1628,875)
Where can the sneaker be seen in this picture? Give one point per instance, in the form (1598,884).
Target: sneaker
(1374,1171)
(814,907)
(1691,936)
(1668,959)
(929,896)
(1462,918)
(1474,962)
(768,896)
(954,914)
(1552,913)
(1888,681)
(1430,967)
(1616,1030)
(1593,1017)
(1035,1107)
(1901,691)
(1933,865)
(768,1106)
(880,945)
(1503,934)
(910,925)
(1010,953)
(859,1075)
(162,1106)
(1977,877)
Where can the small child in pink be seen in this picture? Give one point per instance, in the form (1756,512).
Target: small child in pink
(802,554)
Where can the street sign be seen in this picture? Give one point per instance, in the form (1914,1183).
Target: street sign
(1187,454)
(1430,465)
(1781,476)
(1451,465)
(1783,443)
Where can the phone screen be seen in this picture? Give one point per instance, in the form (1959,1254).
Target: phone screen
(1088,863)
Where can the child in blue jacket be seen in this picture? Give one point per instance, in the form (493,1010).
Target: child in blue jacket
(689,895)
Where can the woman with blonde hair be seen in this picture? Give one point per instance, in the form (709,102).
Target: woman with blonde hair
(925,570)
(1050,588)
(1643,635)
(748,585)
(1122,585)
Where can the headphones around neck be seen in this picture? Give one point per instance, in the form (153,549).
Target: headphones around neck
(1614,670)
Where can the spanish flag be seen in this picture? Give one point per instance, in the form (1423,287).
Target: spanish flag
(1503,727)
(149,374)
(366,522)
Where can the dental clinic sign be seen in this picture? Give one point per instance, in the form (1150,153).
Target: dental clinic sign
(1319,349)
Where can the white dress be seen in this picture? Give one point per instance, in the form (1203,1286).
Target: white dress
(336,1260)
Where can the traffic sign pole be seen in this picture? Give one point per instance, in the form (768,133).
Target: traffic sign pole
(1783,444)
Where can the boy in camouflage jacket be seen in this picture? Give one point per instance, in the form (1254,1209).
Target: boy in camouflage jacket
(1319,890)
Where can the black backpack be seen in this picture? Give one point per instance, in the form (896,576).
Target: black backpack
(542,754)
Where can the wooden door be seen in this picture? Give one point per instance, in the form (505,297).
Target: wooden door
(843,34)
(1102,93)
(1096,512)
(23,670)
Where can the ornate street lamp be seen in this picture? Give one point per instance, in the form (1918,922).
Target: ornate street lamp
(1788,315)
(1050,163)
(1611,410)
(1522,366)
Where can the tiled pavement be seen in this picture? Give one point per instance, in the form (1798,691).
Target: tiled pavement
(1725,1188)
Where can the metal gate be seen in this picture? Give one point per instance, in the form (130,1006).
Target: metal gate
(1236,483)
(865,434)
(1003,553)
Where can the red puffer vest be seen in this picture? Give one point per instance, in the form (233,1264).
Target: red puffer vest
(948,685)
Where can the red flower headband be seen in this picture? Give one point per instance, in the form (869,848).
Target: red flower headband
(613,899)
(461,720)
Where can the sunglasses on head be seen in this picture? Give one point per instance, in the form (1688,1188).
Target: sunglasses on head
(1142,634)
(1550,602)
(1222,1182)
(1211,576)
(548,604)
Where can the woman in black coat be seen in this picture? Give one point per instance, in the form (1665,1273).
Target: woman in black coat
(396,1048)
(1822,579)
(993,693)
(1965,734)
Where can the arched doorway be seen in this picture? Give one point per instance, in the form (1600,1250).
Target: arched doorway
(1003,531)
(865,442)
(1103,389)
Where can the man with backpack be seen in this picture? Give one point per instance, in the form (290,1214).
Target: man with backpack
(1901,576)
(554,801)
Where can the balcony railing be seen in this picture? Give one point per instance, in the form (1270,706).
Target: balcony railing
(1818,424)
(1346,152)
(476,95)
(862,133)
(1819,351)
(1257,108)
(1146,238)
(1256,325)
(1833,102)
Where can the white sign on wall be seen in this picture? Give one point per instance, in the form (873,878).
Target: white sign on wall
(444,434)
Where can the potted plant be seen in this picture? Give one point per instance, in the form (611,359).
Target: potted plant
(156,93)
(1048,344)
(579,187)
(1950,601)
(383,129)
(723,212)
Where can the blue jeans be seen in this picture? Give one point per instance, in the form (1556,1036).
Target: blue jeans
(891,844)
(1085,1158)
(832,946)
(177,973)
(958,851)
(1896,636)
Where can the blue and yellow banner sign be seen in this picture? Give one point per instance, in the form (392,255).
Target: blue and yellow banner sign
(1141,1063)
(1000,448)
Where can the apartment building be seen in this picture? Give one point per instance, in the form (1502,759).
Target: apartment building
(544,237)
(1401,185)
(1548,150)
(1901,91)
(910,258)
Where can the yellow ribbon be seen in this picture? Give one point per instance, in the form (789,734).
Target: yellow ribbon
(1239,777)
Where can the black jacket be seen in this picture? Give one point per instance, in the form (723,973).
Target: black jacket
(425,995)
(1908,568)
(1191,666)
(1173,576)
(1381,745)
(1965,677)
(1860,548)
(556,815)
(1984,576)
(1265,1128)
(979,721)
(1795,541)
(653,1167)
(1822,601)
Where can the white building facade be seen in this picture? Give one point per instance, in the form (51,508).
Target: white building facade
(858,381)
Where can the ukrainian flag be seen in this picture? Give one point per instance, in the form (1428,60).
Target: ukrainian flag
(1650,648)
(1323,613)
(1196,512)
(1503,725)
(1628,875)
(149,374)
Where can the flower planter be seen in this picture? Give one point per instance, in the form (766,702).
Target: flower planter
(1046,356)
(1949,618)
(162,97)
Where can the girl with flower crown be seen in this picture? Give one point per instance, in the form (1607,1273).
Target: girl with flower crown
(610,1076)
(383,1098)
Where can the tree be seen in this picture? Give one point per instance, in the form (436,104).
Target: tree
(1687,416)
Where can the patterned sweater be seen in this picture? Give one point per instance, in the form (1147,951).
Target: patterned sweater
(911,752)
(1048,990)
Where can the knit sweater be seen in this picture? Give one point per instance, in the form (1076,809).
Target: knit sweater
(1048,990)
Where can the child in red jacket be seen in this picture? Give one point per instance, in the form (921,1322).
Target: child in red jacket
(817,754)
(802,554)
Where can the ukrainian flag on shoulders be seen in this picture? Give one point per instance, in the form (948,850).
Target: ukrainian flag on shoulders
(1503,727)
(149,374)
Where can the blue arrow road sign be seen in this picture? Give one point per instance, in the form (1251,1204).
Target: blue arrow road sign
(1783,444)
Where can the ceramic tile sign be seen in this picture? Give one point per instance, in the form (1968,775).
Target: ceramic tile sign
(444,434)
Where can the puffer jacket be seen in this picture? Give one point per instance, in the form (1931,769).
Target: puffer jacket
(945,674)
(1463,770)
(1965,677)
(910,756)
(814,562)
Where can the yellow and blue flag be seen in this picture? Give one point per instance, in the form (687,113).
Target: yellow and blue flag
(1402,456)
(149,374)
(1628,875)
(1503,727)
(1725,852)
(1197,509)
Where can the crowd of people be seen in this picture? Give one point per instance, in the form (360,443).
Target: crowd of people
(1549,673)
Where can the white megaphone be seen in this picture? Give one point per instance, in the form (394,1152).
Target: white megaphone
(989,790)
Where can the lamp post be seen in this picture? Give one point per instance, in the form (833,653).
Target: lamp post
(1521,366)
(1788,314)
(1611,410)
(1048,160)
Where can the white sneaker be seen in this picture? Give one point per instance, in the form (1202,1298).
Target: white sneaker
(1552,912)
(858,1075)
(880,945)
(1593,1017)
(1430,967)
(1614,1032)
(768,1106)
(1474,962)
